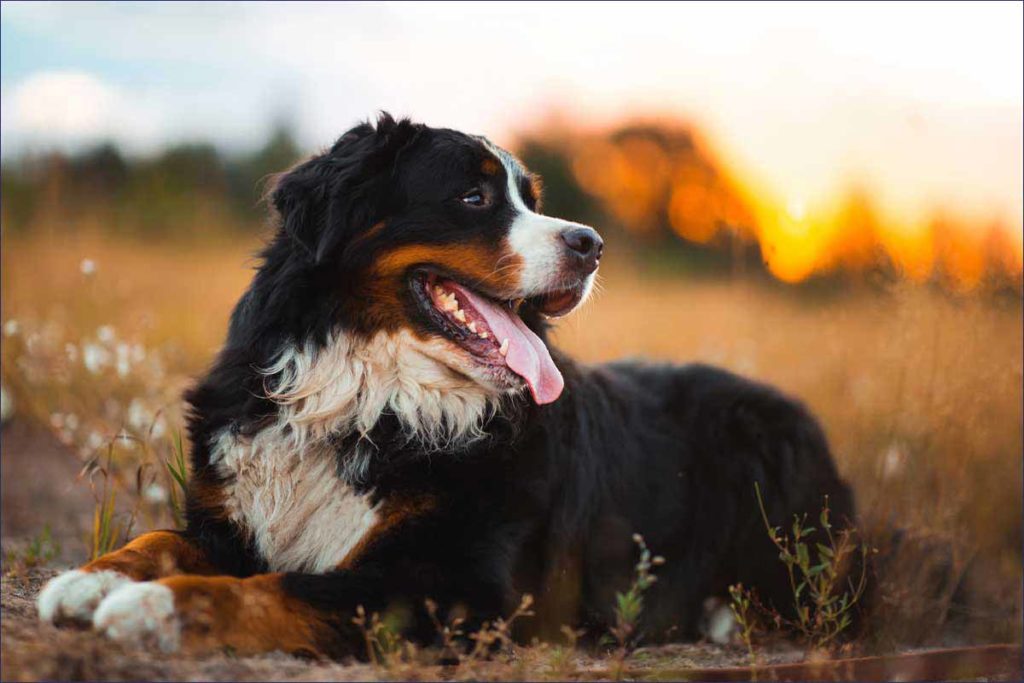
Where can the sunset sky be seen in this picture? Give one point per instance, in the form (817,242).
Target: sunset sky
(919,104)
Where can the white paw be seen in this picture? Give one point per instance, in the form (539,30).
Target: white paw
(74,595)
(140,613)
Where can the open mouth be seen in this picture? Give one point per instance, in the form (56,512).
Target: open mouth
(492,332)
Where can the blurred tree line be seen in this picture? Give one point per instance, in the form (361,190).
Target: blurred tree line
(653,189)
(189,189)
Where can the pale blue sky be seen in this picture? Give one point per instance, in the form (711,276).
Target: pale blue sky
(923,98)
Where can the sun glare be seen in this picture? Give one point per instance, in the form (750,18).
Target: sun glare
(655,173)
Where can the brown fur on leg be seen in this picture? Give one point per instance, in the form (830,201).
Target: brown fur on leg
(247,616)
(155,555)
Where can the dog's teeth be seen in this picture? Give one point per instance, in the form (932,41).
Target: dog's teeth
(460,315)
(472,327)
(450,304)
(503,349)
(484,335)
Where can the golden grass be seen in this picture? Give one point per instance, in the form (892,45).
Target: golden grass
(919,392)
(180,294)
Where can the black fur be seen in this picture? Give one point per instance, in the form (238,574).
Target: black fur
(549,502)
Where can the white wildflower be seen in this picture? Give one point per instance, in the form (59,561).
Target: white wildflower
(105,333)
(11,327)
(95,358)
(71,351)
(123,365)
(155,494)
(94,441)
(138,416)
(126,440)
(71,421)
(87,266)
(56,420)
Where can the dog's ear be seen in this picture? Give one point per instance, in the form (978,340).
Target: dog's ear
(327,200)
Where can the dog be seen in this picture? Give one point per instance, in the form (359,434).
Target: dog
(387,425)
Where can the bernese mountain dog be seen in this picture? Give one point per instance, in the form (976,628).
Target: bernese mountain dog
(388,424)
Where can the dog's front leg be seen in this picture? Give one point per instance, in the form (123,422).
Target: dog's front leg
(215,613)
(74,595)
(308,614)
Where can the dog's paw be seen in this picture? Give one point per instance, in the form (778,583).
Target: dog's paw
(74,595)
(140,613)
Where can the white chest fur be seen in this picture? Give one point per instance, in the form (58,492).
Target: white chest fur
(301,515)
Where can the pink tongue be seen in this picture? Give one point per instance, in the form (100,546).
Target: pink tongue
(527,355)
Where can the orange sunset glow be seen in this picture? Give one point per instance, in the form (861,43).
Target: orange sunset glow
(649,173)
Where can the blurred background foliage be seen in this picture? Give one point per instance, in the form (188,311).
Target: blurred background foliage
(186,190)
(655,189)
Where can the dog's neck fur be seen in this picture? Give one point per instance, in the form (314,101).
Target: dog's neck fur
(341,389)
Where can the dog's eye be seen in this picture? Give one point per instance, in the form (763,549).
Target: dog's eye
(475,198)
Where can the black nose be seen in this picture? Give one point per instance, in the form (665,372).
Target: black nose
(585,247)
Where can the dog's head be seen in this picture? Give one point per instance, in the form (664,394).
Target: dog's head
(435,238)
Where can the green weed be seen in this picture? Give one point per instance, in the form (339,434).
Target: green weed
(40,551)
(629,606)
(825,593)
(177,467)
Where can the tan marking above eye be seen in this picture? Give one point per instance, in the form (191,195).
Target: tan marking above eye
(490,166)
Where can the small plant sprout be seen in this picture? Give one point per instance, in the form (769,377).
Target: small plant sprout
(629,605)
(177,468)
(386,646)
(383,636)
(498,634)
(562,658)
(824,592)
(449,632)
(41,550)
(742,611)
(107,533)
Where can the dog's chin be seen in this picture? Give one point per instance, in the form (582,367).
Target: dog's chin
(494,380)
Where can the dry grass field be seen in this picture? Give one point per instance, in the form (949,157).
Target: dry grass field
(920,393)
